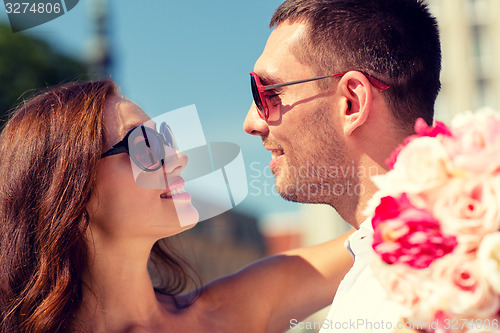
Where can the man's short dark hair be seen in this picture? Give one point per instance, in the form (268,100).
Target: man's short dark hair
(396,41)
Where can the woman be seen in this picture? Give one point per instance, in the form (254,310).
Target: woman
(77,233)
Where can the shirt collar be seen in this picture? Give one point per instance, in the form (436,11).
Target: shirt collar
(360,240)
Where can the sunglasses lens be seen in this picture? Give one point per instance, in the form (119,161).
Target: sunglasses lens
(145,148)
(256,97)
(167,134)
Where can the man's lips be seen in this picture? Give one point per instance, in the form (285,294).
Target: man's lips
(276,154)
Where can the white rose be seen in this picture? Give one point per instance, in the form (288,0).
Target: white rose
(421,165)
(464,119)
(488,256)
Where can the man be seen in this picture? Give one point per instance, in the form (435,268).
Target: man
(375,67)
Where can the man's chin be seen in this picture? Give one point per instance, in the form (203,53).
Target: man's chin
(298,193)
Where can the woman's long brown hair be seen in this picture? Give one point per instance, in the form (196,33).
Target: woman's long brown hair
(49,152)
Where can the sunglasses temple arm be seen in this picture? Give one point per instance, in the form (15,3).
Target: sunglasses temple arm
(274,86)
(116,149)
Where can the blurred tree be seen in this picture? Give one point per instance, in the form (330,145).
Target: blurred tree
(29,63)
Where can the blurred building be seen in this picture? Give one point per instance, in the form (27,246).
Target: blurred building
(99,56)
(222,245)
(470,41)
(282,231)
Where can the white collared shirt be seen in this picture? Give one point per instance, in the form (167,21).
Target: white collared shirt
(360,304)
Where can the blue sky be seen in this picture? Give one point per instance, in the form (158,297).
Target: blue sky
(169,54)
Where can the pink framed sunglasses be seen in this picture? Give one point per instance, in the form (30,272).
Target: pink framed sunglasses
(259,97)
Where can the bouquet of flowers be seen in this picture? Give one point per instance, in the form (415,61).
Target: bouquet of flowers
(436,221)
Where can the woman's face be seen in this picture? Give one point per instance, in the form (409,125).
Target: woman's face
(121,208)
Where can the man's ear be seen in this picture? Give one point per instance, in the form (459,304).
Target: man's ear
(356,92)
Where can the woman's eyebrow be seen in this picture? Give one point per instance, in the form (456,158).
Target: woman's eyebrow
(127,128)
(124,130)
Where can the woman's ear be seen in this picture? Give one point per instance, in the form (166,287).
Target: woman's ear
(356,90)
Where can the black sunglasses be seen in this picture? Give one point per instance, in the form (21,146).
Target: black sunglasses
(145,146)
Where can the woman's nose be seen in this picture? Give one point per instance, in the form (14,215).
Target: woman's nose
(175,161)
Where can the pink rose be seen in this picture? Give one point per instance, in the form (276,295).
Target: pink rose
(484,123)
(468,208)
(475,144)
(460,288)
(409,235)
(439,128)
(421,129)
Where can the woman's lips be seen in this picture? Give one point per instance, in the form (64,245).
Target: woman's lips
(176,190)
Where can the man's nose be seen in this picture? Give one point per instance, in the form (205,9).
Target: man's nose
(253,124)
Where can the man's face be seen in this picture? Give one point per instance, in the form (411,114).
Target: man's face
(302,130)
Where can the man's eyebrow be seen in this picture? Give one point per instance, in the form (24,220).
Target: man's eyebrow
(268,79)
